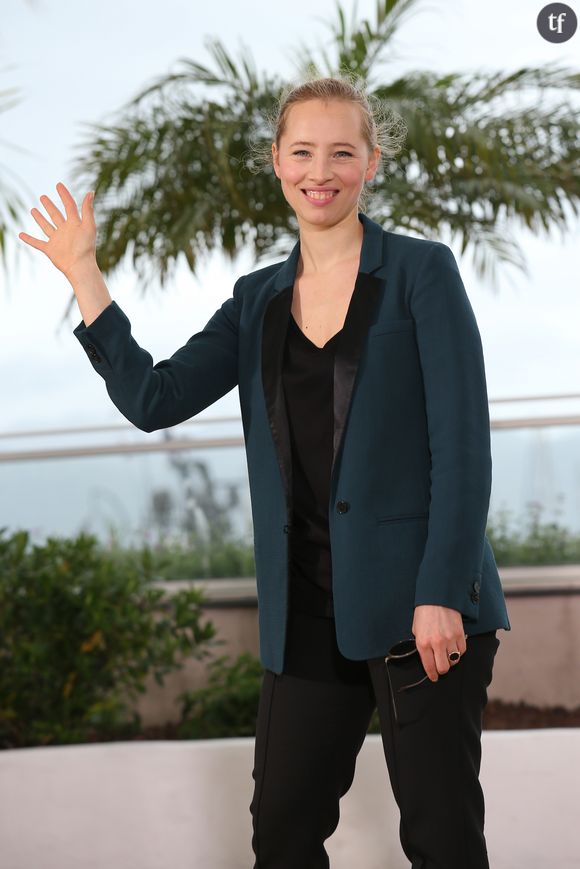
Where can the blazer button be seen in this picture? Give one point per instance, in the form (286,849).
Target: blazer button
(476,586)
(342,506)
(91,350)
(474,596)
(286,529)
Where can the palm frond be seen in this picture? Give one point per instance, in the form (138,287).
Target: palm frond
(174,179)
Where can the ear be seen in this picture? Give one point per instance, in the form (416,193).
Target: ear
(373,164)
(275,159)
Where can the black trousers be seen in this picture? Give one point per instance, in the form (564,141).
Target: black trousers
(311,724)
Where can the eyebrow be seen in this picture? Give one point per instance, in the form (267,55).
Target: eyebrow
(334,144)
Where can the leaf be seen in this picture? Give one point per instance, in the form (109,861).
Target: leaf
(97,640)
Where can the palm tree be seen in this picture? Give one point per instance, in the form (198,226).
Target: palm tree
(175,174)
(11,203)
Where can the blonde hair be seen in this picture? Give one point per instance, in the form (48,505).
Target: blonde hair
(380,124)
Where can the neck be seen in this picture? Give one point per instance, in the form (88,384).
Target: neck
(319,244)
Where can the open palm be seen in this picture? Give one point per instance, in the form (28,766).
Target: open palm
(71,239)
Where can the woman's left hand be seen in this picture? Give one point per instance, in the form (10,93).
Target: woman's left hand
(437,630)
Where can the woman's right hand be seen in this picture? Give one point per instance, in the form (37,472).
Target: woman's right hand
(71,240)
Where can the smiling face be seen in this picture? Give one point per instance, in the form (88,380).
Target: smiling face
(323,160)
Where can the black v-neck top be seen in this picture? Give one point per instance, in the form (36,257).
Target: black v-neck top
(308,382)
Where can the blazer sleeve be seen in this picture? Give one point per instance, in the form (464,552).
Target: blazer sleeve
(456,403)
(159,396)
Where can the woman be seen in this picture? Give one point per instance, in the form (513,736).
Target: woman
(364,405)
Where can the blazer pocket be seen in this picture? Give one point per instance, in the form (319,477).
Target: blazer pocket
(406,517)
(414,703)
(391,326)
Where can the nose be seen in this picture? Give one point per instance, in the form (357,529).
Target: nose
(319,171)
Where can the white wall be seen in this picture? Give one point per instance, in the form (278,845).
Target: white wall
(185,805)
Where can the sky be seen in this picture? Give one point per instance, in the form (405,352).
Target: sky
(78,62)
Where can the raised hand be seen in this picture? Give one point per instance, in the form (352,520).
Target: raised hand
(72,239)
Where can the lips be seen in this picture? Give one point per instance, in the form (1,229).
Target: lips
(325,195)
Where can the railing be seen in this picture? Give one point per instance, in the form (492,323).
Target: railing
(112,472)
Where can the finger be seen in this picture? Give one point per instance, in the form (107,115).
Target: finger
(87,206)
(428,661)
(457,644)
(44,224)
(442,662)
(68,200)
(34,242)
(54,212)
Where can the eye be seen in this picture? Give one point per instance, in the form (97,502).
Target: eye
(295,153)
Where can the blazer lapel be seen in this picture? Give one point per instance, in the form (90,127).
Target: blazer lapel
(275,324)
(362,312)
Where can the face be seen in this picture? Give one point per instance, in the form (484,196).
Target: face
(333,165)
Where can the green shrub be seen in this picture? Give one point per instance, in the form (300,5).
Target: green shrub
(195,559)
(79,635)
(536,541)
(228,705)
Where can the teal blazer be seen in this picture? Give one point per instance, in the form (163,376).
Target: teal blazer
(411,471)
